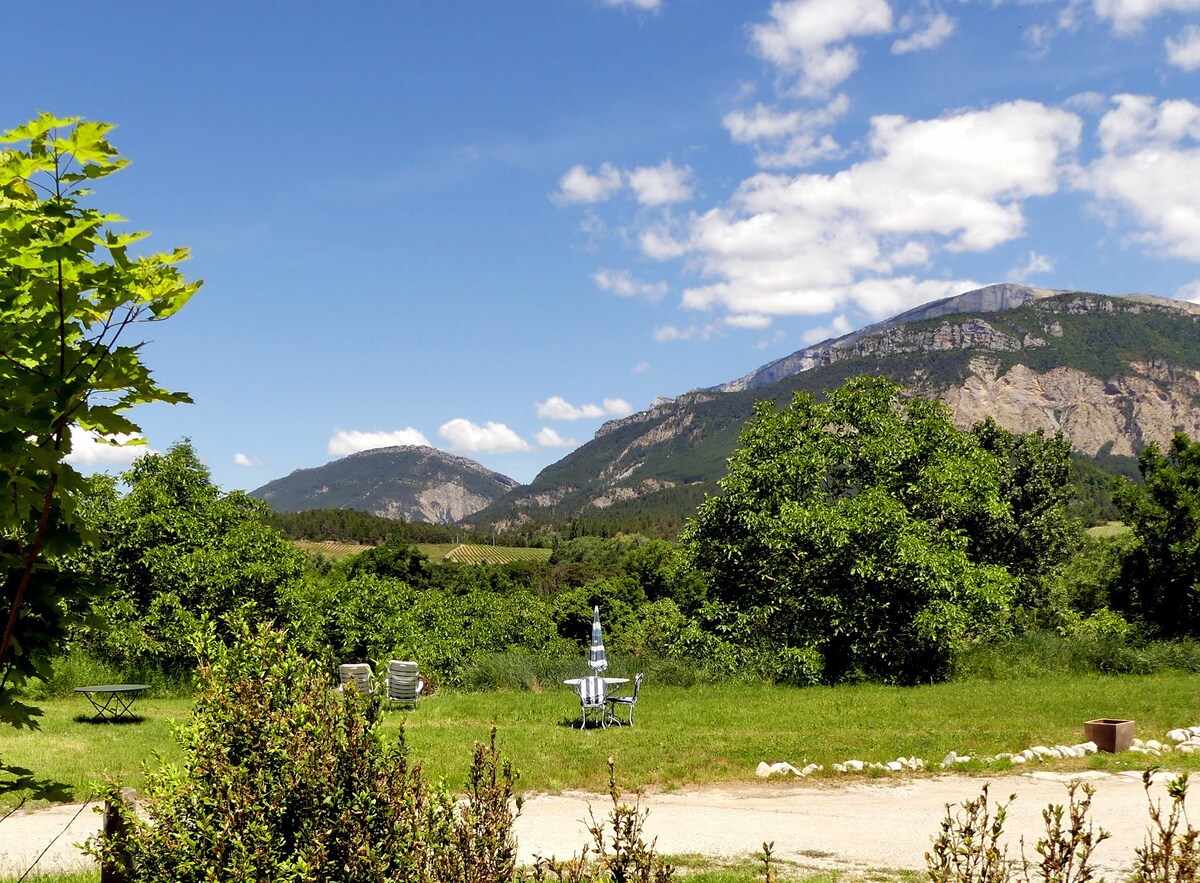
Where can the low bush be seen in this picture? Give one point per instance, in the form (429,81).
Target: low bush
(286,778)
(969,848)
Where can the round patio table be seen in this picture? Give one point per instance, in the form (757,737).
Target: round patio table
(112,701)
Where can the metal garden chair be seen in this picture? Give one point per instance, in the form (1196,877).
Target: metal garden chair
(628,701)
(592,695)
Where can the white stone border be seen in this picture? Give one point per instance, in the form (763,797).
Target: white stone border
(1185,740)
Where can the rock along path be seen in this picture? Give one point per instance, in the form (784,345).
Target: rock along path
(882,823)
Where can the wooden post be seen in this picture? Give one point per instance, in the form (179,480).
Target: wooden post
(115,824)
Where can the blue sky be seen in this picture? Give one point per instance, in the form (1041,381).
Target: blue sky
(491,226)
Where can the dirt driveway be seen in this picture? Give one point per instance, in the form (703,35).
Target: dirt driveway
(851,823)
(867,823)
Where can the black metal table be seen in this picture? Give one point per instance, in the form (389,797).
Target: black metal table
(112,701)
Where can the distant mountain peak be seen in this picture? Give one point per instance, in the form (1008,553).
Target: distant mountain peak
(1113,373)
(407,482)
(989,299)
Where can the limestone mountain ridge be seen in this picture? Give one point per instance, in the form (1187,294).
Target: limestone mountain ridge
(1113,373)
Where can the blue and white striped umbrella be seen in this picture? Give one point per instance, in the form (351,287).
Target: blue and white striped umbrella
(597,660)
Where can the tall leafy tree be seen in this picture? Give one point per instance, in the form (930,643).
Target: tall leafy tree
(175,549)
(70,293)
(1160,575)
(866,535)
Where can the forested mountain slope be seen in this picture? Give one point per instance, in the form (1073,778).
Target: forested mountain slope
(1113,373)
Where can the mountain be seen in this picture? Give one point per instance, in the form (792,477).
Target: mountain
(407,482)
(1113,373)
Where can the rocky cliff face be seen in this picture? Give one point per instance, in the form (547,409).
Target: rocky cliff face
(1113,373)
(1121,415)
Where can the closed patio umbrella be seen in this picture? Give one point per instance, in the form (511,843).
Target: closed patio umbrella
(597,660)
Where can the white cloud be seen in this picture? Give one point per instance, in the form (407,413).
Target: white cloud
(1190,292)
(837,328)
(1183,51)
(663,184)
(240,459)
(1138,122)
(622,283)
(761,123)
(1150,166)
(932,33)
(661,244)
(492,438)
(1037,263)
(641,368)
(801,133)
(647,5)
(749,320)
(344,442)
(659,185)
(1128,16)
(580,185)
(548,438)
(805,37)
(810,244)
(90,449)
(558,408)
(671,333)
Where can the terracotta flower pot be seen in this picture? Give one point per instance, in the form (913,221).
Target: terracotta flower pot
(1109,734)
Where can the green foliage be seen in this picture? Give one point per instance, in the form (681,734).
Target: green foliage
(1033,532)
(1092,501)
(392,561)
(350,525)
(869,537)
(69,291)
(285,778)
(1160,577)
(175,549)
(368,617)
(968,847)
(1172,852)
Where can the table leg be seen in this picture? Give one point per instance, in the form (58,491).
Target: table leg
(112,706)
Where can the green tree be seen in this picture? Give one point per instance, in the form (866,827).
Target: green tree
(70,292)
(175,549)
(867,536)
(1160,574)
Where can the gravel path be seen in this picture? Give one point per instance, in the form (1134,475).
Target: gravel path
(861,823)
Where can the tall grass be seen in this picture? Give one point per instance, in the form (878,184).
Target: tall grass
(1040,654)
(80,669)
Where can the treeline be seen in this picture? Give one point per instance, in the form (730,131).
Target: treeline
(353,526)
(864,537)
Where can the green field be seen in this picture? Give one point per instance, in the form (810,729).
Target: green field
(685,736)
(329,548)
(469,553)
(458,553)
(472,554)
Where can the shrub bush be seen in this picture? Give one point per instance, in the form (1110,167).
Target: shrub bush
(286,778)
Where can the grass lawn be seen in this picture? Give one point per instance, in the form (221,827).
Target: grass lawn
(683,736)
